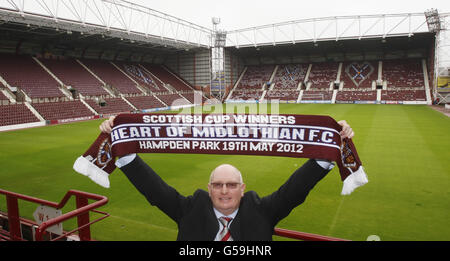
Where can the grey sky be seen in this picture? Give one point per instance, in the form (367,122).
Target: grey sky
(238,14)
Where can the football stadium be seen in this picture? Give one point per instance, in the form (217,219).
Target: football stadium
(66,67)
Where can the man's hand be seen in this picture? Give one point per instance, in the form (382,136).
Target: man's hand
(346,131)
(107,125)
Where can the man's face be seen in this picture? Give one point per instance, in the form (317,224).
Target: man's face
(226,189)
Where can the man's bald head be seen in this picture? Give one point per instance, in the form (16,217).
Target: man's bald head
(226,168)
(226,188)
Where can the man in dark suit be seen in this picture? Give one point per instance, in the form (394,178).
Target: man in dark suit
(225,211)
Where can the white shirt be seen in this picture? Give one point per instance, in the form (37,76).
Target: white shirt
(122,161)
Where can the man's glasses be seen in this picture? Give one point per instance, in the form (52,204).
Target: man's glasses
(231,185)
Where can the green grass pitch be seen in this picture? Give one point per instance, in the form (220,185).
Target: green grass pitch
(405,151)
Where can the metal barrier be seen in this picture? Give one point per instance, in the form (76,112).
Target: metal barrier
(304,236)
(81,212)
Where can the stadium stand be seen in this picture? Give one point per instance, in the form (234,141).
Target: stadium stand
(109,105)
(146,102)
(62,110)
(173,99)
(13,114)
(246,94)
(358,80)
(2,96)
(142,76)
(194,97)
(255,77)
(36,83)
(254,80)
(168,77)
(403,73)
(404,79)
(114,78)
(317,95)
(403,95)
(359,74)
(360,95)
(286,82)
(282,95)
(288,76)
(323,74)
(72,74)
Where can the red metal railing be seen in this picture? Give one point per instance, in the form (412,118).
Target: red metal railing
(81,212)
(304,236)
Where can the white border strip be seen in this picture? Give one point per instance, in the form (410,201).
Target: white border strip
(225,125)
(228,139)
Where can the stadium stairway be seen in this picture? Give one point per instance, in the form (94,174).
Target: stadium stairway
(34,111)
(87,105)
(308,72)
(63,89)
(426,81)
(177,77)
(333,98)
(98,78)
(378,95)
(300,95)
(273,76)
(263,95)
(339,72)
(237,83)
(161,83)
(8,94)
(139,87)
(129,103)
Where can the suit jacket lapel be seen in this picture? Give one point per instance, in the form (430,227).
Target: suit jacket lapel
(235,227)
(212,224)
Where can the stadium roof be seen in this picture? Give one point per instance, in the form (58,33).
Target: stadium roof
(124,25)
(107,19)
(330,28)
(370,48)
(133,22)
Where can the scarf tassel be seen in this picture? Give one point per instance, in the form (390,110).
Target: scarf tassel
(354,180)
(92,171)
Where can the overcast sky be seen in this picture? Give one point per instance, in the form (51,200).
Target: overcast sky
(238,14)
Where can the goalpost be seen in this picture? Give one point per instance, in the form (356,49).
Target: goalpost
(313,97)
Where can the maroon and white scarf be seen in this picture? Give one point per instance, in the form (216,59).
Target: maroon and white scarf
(300,136)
